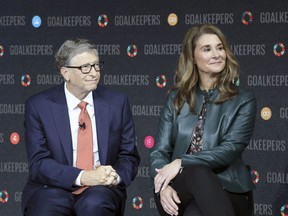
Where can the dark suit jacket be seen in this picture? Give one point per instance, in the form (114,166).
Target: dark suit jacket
(227,132)
(49,143)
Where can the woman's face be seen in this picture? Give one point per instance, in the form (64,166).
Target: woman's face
(209,55)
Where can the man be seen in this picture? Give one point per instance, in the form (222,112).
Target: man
(63,180)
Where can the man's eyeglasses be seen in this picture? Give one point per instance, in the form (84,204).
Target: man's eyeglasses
(86,68)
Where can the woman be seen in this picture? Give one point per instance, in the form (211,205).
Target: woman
(205,125)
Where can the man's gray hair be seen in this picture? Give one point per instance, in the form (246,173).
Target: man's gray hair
(71,48)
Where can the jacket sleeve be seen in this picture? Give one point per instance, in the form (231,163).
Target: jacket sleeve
(128,158)
(43,168)
(160,154)
(234,141)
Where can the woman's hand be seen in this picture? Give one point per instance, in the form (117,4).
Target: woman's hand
(169,200)
(166,174)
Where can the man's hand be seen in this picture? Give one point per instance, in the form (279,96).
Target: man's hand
(102,175)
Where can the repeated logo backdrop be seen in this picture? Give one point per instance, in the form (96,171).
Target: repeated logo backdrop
(140,42)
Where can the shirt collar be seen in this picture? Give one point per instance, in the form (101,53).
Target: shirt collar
(72,101)
(211,94)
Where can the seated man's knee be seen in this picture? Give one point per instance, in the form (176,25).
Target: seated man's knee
(101,200)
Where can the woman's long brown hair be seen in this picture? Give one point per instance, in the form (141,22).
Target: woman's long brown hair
(187,77)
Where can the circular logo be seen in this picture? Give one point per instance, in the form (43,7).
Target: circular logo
(132,50)
(4,196)
(103,20)
(247,18)
(14,138)
(149,141)
(255,176)
(279,49)
(284,210)
(137,202)
(25,80)
(1,50)
(266,113)
(172,19)
(161,81)
(36,21)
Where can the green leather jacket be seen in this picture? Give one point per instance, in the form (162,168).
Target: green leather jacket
(228,129)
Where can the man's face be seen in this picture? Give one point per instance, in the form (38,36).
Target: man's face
(80,84)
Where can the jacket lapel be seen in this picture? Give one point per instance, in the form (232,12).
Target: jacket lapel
(187,122)
(102,124)
(60,115)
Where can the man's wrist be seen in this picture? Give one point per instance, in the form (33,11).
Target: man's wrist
(79,178)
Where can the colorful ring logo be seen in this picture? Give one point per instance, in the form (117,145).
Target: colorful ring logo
(132,50)
(103,20)
(25,80)
(276,46)
(283,209)
(245,15)
(137,202)
(1,50)
(161,81)
(4,196)
(255,176)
